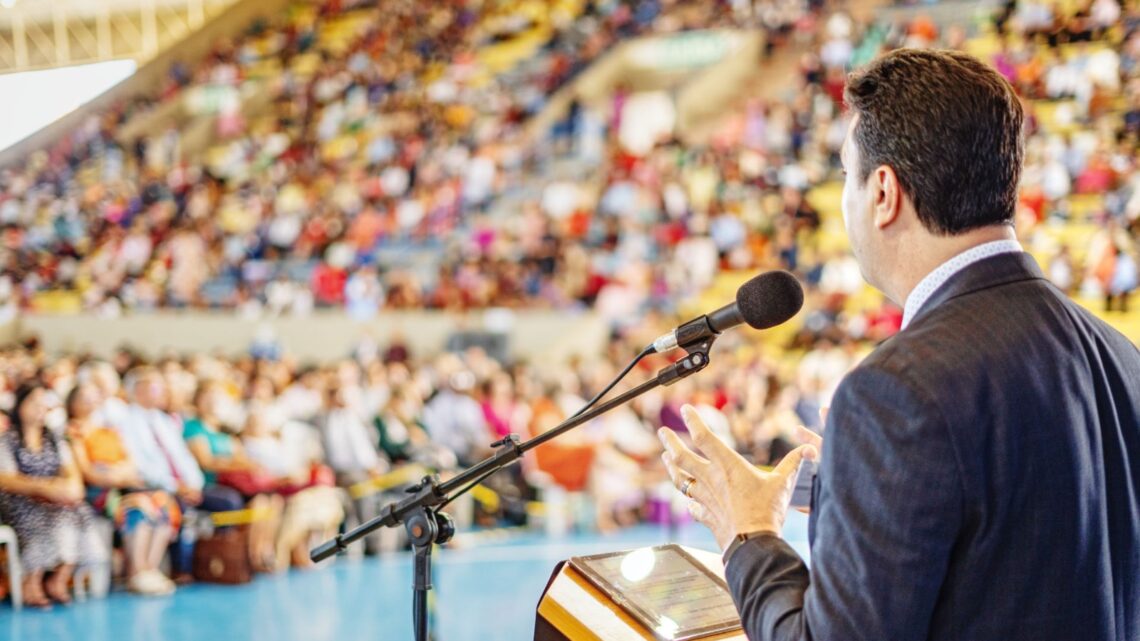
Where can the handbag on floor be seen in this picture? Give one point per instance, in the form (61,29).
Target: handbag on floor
(223,557)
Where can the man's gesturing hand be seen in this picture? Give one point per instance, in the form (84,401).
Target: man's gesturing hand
(729,495)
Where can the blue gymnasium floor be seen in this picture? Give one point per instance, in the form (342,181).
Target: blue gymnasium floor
(485,592)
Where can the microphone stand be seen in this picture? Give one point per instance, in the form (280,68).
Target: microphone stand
(426,526)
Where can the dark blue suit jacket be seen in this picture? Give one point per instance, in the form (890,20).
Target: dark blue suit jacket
(980,481)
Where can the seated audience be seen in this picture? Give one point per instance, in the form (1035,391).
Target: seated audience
(147,519)
(312,508)
(225,465)
(402,435)
(351,450)
(41,497)
(454,419)
(153,439)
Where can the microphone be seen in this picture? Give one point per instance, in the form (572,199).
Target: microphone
(765,301)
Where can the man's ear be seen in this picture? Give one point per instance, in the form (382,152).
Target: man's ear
(886,195)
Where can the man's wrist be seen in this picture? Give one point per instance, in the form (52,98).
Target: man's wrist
(742,538)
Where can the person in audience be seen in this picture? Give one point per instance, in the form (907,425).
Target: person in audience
(41,497)
(262,396)
(454,419)
(312,508)
(303,399)
(102,374)
(402,435)
(376,391)
(153,439)
(148,520)
(224,464)
(1125,278)
(565,461)
(500,411)
(351,450)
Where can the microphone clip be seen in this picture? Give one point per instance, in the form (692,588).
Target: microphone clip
(695,359)
(692,332)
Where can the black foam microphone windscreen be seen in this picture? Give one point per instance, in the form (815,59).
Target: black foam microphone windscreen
(769,299)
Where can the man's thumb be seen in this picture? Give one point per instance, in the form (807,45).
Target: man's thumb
(791,463)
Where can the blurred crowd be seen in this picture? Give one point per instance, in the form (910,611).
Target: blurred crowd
(383,131)
(150,448)
(1079,73)
(1077,70)
(671,216)
(368,179)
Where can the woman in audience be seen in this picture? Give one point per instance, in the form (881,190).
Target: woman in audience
(224,462)
(148,520)
(565,461)
(499,407)
(113,406)
(41,497)
(402,436)
(313,508)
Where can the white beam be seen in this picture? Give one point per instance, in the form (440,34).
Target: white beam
(19,38)
(62,40)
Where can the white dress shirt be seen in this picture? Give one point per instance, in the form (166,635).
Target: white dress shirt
(153,439)
(350,444)
(456,422)
(944,272)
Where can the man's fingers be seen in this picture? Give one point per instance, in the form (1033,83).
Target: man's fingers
(676,474)
(709,443)
(804,435)
(701,514)
(680,453)
(682,464)
(791,464)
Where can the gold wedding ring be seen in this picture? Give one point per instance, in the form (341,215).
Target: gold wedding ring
(688,485)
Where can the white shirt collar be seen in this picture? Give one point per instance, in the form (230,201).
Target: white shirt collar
(937,278)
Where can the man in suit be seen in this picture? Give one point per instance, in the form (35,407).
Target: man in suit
(980,471)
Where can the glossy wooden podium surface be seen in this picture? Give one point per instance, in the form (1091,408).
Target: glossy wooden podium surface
(572,609)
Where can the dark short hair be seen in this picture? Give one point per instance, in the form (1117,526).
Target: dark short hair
(950,127)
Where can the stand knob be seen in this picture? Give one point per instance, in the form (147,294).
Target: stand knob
(446,528)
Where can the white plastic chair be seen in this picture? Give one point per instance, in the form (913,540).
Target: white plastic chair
(15,572)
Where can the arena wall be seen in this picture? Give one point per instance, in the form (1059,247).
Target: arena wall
(534,335)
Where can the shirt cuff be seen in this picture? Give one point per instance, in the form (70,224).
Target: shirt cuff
(741,539)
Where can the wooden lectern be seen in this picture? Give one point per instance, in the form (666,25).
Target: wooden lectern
(572,609)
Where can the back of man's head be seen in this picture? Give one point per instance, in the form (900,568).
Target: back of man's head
(950,127)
